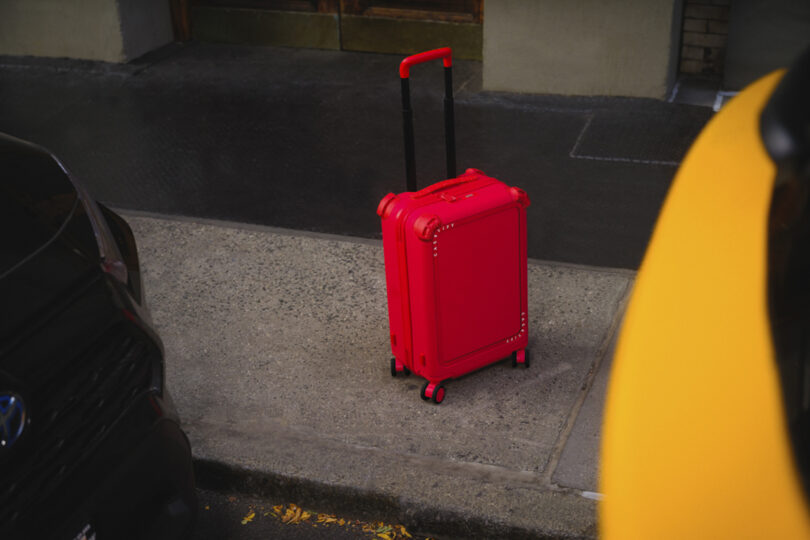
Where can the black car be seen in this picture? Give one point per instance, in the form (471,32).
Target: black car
(90,442)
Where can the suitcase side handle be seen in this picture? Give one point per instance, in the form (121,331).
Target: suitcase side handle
(446,54)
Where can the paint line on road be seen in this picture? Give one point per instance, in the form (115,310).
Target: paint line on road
(721,98)
(674,92)
(574,149)
(573,153)
(630,160)
(593,495)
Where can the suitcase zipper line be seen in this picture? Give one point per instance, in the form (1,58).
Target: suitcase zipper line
(404,276)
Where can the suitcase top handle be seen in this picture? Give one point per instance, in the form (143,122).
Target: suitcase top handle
(407,113)
(446,184)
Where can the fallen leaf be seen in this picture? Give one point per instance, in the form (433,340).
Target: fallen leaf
(297,515)
(207,507)
(248,518)
(232,498)
(385,536)
(341,522)
(278,508)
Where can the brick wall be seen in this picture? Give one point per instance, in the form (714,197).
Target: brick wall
(705,32)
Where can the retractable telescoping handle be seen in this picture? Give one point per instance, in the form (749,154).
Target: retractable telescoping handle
(407,113)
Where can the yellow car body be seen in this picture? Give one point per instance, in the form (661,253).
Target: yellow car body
(695,441)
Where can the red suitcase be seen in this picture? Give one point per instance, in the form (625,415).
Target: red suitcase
(455,263)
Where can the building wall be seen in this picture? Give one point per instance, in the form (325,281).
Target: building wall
(764,35)
(108,30)
(145,25)
(705,32)
(582,47)
(378,26)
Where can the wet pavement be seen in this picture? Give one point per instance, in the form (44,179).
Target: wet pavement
(311,140)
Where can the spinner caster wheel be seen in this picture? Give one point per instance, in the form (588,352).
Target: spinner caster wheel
(522,358)
(434,391)
(397,368)
(438,394)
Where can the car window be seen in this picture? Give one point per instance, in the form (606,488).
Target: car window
(47,241)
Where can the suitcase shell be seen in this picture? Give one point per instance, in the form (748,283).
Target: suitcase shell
(455,261)
(455,264)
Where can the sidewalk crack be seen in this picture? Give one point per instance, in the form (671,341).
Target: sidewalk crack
(603,351)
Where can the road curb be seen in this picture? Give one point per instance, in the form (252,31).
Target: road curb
(361,504)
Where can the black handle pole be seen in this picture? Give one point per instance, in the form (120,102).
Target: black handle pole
(449,123)
(407,117)
(407,128)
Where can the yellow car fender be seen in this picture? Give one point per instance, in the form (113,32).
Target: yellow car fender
(695,441)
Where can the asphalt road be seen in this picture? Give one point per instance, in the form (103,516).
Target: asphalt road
(312,140)
(238,517)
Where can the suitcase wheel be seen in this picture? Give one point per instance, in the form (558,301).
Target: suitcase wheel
(397,367)
(522,357)
(438,394)
(434,391)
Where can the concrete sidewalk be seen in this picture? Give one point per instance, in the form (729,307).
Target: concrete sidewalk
(277,357)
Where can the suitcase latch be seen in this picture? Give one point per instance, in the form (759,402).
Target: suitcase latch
(454,198)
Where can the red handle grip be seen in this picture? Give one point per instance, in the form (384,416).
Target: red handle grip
(427,56)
